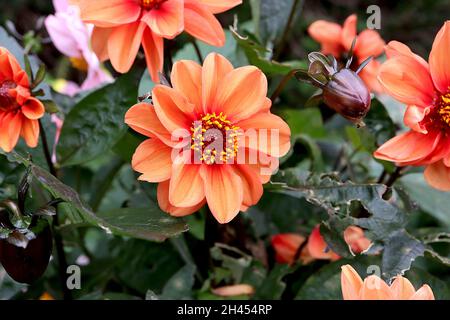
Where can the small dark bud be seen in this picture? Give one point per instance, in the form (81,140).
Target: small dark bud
(342,89)
(347,94)
(26,265)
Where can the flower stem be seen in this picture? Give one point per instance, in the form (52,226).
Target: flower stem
(287,28)
(62,261)
(394,176)
(282,84)
(197,51)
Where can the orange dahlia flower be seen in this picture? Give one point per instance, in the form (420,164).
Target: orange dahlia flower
(212,138)
(19,111)
(374,288)
(425,89)
(121,26)
(337,41)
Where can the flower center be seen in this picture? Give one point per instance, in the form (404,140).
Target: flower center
(6,101)
(79,63)
(443,107)
(151,4)
(214,139)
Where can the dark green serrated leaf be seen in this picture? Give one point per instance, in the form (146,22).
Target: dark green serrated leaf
(385,224)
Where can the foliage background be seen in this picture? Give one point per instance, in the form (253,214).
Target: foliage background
(122,260)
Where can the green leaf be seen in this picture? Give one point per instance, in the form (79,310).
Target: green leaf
(270,17)
(400,251)
(305,121)
(379,122)
(273,286)
(179,287)
(144,223)
(230,50)
(434,202)
(383,221)
(148,223)
(258,56)
(96,123)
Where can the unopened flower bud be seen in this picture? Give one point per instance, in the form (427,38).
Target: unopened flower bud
(347,94)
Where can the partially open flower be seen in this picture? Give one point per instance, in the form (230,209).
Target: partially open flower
(19,111)
(374,288)
(342,88)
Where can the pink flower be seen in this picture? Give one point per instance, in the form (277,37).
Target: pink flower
(71,36)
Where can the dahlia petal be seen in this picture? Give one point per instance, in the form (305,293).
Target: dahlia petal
(153,159)
(10,128)
(413,116)
(186,77)
(267,133)
(173,109)
(251,184)
(286,246)
(369,43)
(167,20)
(369,75)
(6,70)
(224,192)
(262,163)
(123,45)
(349,31)
(242,93)
(396,48)
(439,59)
(407,80)
(154,53)
(355,238)
(202,24)
(165,205)
(318,248)
(99,42)
(328,34)
(142,118)
(374,288)
(438,176)
(33,109)
(410,147)
(215,6)
(186,184)
(351,283)
(215,68)
(402,289)
(109,13)
(30,132)
(424,293)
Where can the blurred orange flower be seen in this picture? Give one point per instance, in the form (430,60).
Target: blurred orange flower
(19,111)
(374,288)
(337,41)
(425,89)
(286,245)
(121,26)
(208,107)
